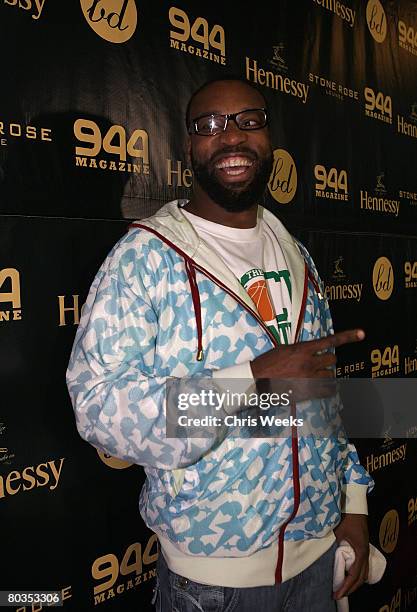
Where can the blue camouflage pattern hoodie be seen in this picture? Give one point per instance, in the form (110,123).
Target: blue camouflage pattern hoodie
(239,511)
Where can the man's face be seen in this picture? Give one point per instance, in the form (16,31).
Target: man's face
(232,167)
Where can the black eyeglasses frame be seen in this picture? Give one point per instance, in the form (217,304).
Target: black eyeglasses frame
(193,124)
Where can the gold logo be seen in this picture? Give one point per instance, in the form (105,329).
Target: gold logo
(394,605)
(36,6)
(111,574)
(387,458)
(338,272)
(332,184)
(378,106)
(177,175)
(388,441)
(376,19)
(380,187)
(275,80)
(385,362)
(407,37)
(113,462)
(208,39)
(113,20)
(340,290)
(278,60)
(388,531)
(12,296)
(31,132)
(283,180)
(410,270)
(115,142)
(350,368)
(383,278)
(31,477)
(412,511)
(410,365)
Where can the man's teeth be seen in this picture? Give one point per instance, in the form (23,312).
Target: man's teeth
(234,162)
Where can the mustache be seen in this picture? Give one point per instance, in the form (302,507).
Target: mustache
(227,150)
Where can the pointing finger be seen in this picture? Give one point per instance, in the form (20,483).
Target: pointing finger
(343,337)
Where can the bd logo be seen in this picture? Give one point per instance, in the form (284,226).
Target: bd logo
(376,20)
(383,278)
(113,20)
(389,530)
(113,462)
(283,180)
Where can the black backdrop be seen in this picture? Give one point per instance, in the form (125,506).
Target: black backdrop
(91,135)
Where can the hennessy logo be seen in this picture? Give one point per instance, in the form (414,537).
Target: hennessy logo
(380,187)
(388,531)
(338,272)
(340,290)
(177,175)
(278,61)
(12,296)
(383,278)
(283,180)
(387,438)
(413,114)
(113,20)
(31,477)
(376,19)
(28,5)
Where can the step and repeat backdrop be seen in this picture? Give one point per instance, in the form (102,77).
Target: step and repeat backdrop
(92,134)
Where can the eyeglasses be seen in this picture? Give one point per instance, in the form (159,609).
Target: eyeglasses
(210,125)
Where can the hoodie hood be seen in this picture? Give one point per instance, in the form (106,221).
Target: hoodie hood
(170,222)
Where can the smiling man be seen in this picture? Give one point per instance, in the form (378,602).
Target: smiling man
(216,288)
(233,168)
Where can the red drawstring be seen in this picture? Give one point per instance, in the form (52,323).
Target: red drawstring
(189,266)
(195,294)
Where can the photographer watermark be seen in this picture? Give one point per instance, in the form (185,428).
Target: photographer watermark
(229,402)
(358,408)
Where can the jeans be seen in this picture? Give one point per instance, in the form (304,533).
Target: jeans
(309,591)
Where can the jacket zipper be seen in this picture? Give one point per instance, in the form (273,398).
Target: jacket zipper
(294,448)
(195,294)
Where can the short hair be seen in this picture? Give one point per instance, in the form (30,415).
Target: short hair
(229,77)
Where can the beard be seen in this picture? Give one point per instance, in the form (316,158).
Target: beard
(237,197)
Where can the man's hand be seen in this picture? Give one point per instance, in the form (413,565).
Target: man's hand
(354,529)
(303,359)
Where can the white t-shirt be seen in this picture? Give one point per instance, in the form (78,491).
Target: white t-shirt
(256,259)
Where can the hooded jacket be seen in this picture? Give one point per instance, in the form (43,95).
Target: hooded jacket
(237,511)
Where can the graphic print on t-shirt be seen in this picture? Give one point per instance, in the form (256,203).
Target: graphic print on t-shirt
(259,286)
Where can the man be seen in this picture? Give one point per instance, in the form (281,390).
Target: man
(217,288)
